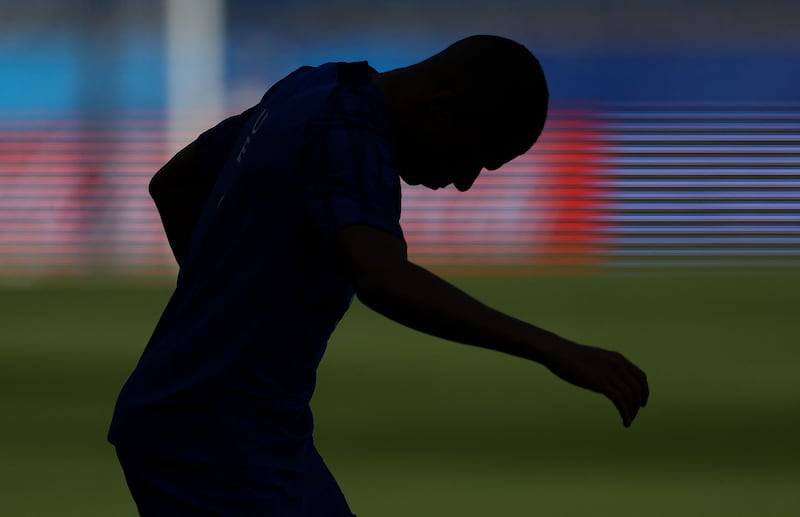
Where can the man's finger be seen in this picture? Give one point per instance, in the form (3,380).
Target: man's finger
(646,394)
(630,398)
(638,384)
(619,401)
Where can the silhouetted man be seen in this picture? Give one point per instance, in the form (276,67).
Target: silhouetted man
(277,217)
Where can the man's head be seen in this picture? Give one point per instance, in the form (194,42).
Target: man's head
(478,104)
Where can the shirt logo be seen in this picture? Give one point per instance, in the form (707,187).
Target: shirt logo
(259,121)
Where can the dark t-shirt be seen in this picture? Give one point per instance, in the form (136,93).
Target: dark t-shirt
(228,374)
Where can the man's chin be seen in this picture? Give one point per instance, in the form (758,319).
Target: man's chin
(414,181)
(410,180)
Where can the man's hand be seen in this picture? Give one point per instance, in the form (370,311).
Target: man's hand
(603,372)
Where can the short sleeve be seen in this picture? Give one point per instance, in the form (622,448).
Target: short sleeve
(215,144)
(352,181)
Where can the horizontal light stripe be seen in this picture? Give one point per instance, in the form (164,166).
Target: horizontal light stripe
(632,185)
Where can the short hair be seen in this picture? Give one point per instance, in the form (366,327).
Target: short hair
(503,79)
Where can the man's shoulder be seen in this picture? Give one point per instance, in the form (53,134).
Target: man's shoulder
(354,100)
(354,72)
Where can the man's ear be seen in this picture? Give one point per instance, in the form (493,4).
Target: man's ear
(444,105)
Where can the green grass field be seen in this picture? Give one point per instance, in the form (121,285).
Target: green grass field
(412,425)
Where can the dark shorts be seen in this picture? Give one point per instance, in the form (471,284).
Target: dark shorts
(175,488)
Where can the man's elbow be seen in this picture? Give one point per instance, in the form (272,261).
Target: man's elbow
(165,193)
(156,187)
(367,288)
(374,260)
(377,288)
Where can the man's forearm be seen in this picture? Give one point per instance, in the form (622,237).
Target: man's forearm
(418,299)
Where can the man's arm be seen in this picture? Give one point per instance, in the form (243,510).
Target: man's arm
(182,186)
(180,191)
(388,283)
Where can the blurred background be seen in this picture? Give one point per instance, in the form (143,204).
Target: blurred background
(659,214)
